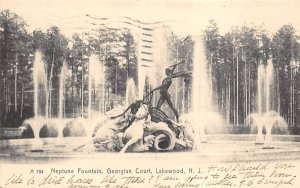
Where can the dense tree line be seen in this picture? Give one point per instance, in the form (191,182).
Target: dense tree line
(233,60)
(115,49)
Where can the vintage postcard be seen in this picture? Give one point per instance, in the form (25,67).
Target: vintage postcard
(158,94)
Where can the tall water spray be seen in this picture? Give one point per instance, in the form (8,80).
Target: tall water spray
(62,80)
(260,101)
(95,79)
(162,60)
(269,84)
(260,88)
(201,92)
(153,58)
(265,83)
(40,96)
(141,67)
(40,82)
(266,94)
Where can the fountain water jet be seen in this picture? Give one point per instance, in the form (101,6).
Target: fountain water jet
(40,88)
(269,83)
(62,80)
(40,95)
(260,102)
(94,80)
(61,104)
(265,117)
(162,60)
(201,95)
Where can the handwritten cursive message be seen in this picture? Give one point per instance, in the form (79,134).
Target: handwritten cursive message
(260,174)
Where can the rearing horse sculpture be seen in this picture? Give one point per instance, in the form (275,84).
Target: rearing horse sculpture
(140,127)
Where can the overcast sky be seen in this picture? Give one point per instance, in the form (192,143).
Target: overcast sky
(184,16)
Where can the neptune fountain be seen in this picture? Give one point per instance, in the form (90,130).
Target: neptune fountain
(138,123)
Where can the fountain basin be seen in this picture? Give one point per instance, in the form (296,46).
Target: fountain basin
(219,148)
(7,132)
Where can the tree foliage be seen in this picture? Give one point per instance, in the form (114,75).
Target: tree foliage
(233,60)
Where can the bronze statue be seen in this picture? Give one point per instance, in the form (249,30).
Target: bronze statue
(164,87)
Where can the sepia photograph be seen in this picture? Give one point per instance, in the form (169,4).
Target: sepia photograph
(158,94)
